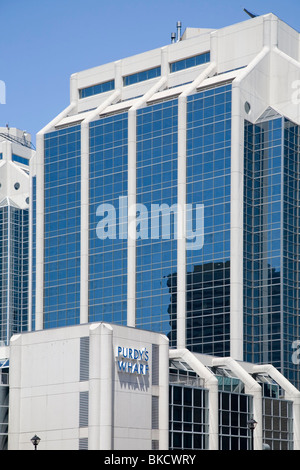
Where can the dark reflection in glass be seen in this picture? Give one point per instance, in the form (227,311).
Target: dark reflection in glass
(271,243)
(156,184)
(207,308)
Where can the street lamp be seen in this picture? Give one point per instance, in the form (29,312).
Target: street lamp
(35,441)
(251,425)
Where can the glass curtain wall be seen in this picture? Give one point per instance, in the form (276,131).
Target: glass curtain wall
(208,183)
(156,247)
(14,246)
(108,246)
(271,244)
(62,227)
(262,239)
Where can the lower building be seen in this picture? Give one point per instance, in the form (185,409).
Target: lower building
(94,386)
(102,386)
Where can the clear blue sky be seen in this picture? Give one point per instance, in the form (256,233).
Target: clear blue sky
(44,42)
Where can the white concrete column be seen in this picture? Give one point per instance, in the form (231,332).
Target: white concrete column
(84,221)
(32,173)
(163,393)
(165,66)
(39,289)
(74,92)
(237,210)
(8,279)
(181,224)
(118,76)
(15,392)
(100,433)
(131,241)
(94,388)
(106,387)
(236,228)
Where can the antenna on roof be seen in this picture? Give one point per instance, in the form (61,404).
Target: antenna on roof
(178,25)
(250,14)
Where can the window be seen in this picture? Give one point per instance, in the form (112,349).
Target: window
(278,424)
(190,62)
(234,413)
(97,89)
(141,76)
(188,418)
(16,158)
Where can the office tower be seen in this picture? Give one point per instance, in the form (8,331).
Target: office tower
(200,136)
(15,153)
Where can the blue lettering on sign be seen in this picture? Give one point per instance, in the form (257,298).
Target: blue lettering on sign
(132,361)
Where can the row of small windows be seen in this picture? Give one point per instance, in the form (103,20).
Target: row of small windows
(97,89)
(145,75)
(190,62)
(142,76)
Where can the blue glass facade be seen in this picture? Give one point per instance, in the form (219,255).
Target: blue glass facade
(62,227)
(262,241)
(156,182)
(14,245)
(271,243)
(108,256)
(208,183)
(291,247)
(271,225)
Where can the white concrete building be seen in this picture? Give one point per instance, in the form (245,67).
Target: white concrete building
(96,386)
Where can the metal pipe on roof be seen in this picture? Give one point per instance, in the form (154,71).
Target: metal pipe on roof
(178,30)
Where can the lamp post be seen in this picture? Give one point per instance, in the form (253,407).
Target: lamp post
(35,441)
(251,425)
